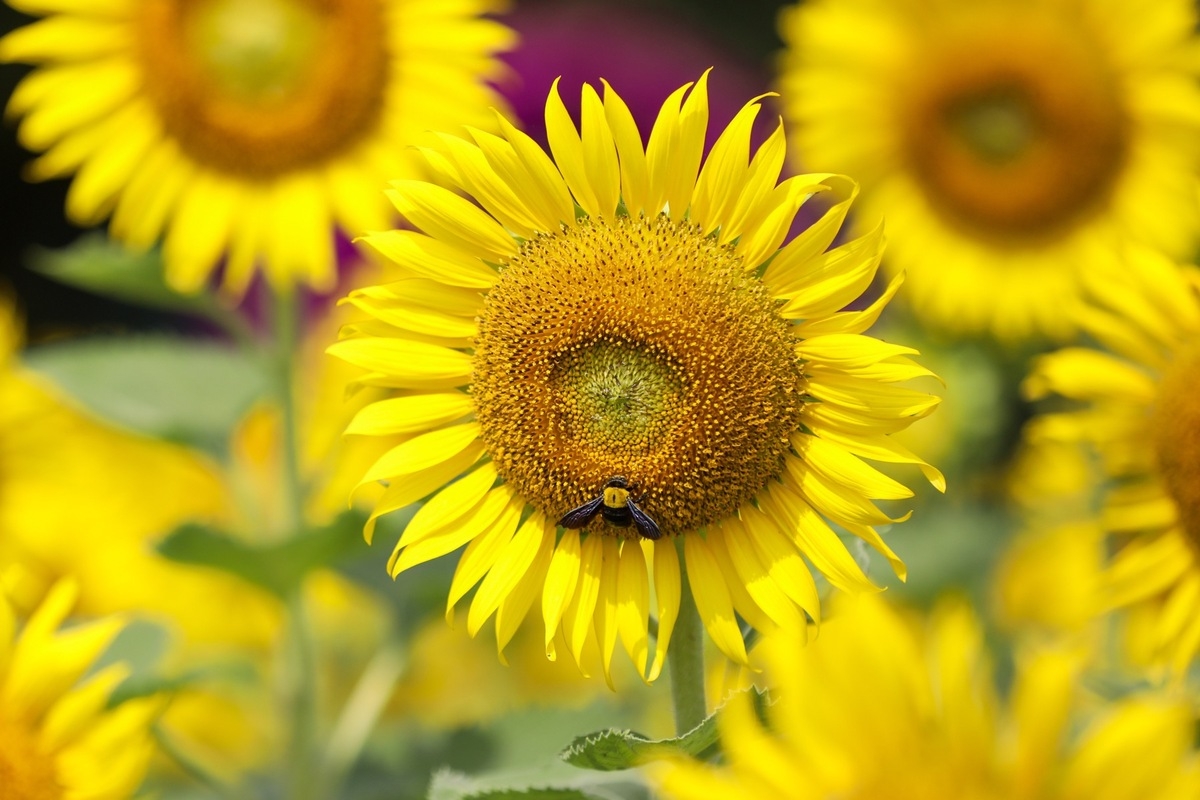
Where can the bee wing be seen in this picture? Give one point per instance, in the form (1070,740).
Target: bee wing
(579,517)
(646,526)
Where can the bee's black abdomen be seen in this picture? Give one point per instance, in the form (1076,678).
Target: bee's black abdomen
(621,517)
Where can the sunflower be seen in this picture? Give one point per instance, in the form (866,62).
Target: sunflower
(244,128)
(880,708)
(58,737)
(1142,414)
(625,311)
(1006,141)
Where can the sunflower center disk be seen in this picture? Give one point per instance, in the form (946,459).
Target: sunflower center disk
(1176,426)
(260,87)
(1016,143)
(636,348)
(25,772)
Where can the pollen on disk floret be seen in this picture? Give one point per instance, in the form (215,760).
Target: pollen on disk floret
(642,348)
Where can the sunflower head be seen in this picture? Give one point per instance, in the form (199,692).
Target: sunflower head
(1006,142)
(882,706)
(635,347)
(244,132)
(58,738)
(627,308)
(1132,399)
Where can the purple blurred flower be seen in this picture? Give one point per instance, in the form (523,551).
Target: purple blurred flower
(644,54)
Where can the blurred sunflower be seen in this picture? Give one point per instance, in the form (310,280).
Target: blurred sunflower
(876,708)
(246,128)
(612,312)
(104,538)
(1050,572)
(1008,143)
(1142,414)
(58,737)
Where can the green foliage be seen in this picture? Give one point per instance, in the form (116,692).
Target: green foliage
(99,265)
(183,390)
(613,749)
(278,567)
(544,784)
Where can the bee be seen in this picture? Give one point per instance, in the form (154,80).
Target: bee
(617,507)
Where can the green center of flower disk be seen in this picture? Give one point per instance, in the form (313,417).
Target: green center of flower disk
(25,772)
(260,87)
(638,348)
(1176,428)
(1015,135)
(254,50)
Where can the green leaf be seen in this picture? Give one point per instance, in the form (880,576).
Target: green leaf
(99,265)
(614,749)
(278,568)
(536,784)
(144,685)
(172,388)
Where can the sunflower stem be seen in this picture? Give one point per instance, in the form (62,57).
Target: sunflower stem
(301,689)
(686,658)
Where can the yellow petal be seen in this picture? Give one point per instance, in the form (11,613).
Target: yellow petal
(599,153)
(759,183)
(759,583)
(561,581)
(633,609)
(67,38)
(199,231)
(480,517)
(832,281)
(422,452)
(567,148)
(481,182)
(763,237)
(711,594)
(8,628)
(408,316)
(678,174)
(852,321)
(816,540)
(450,505)
(510,567)
(607,603)
(667,587)
(782,561)
(743,602)
(61,98)
(844,470)
(407,363)
(412,414)
(401,494)
(451,219)
(544,177)
(577,622)
(1080,373)
(482,553)
(515,606)
(724,172)
(635,176)
(432,258)
(660,151)
(790,270)
(78,709)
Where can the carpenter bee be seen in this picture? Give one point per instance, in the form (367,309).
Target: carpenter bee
(617,507)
